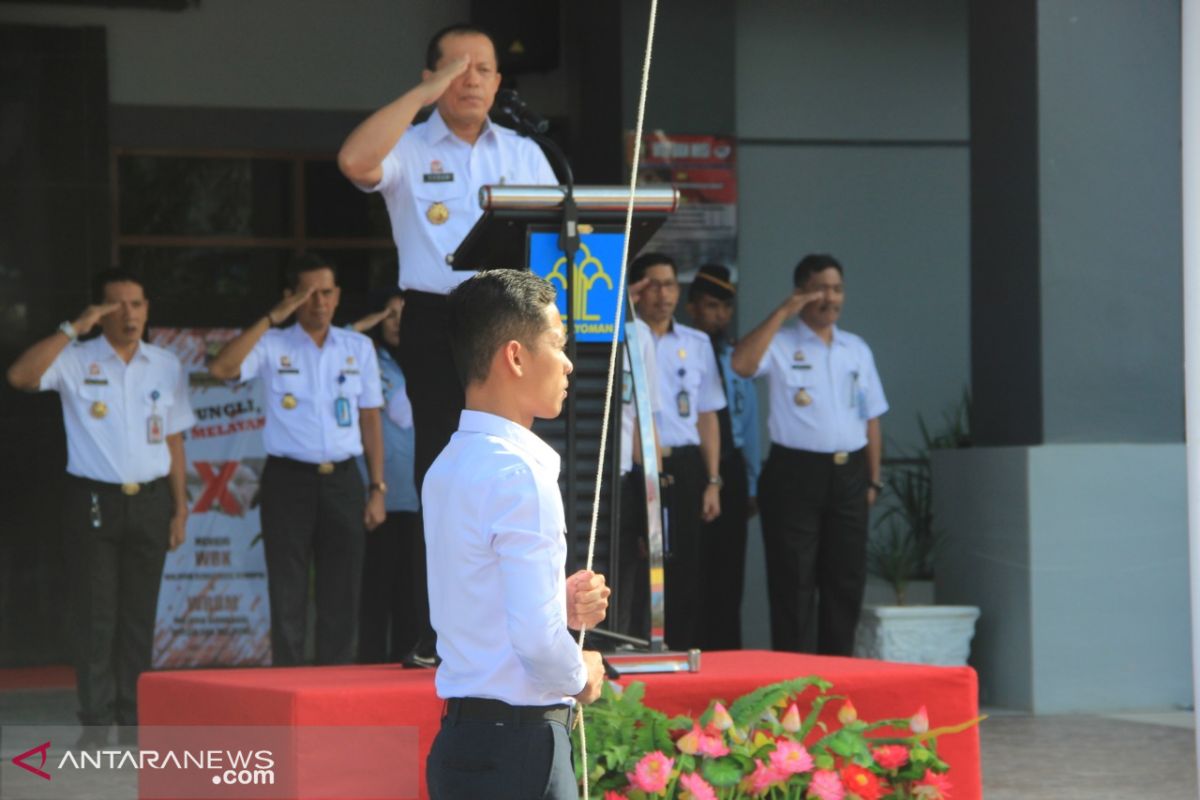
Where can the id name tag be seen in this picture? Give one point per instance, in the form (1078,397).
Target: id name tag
(341,411)
(154,429)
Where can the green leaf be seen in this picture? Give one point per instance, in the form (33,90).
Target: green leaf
(749,708)
(722,772)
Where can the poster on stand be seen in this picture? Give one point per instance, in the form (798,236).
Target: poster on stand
(212,606)
(704,169)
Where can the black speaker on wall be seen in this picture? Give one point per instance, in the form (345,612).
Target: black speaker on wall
(526,32)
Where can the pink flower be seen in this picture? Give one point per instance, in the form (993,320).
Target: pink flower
(697,788)
(611,795)
(764,777)
(891,756)
(791,758)
(847,713)
(651,773)
(932,786)
(826,785)
(689,743)
(791,720)
(721,718)
(920,721)
(713,746)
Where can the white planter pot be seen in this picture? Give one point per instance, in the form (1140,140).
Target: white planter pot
(939,635)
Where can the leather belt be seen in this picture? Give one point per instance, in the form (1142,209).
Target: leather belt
(484,709)
(323,468)
(127,489)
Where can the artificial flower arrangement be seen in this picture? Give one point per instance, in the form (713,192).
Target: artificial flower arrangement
(761,746)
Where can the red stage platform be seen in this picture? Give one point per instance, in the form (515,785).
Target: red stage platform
(389,695)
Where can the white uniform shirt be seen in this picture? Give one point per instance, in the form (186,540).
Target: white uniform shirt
(430,165)
(115,447)
(840,380)
(645,340)
(291,365)
(688,382)
(496,553)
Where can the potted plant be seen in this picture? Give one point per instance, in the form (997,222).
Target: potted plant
(774,742)
(901,550)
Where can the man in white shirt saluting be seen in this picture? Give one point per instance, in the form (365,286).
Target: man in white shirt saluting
(495,538)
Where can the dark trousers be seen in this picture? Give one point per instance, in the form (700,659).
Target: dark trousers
(312,519)
(683,601)
(387,622)
(723,559)
(435,392)
(632,590)
(116,545)
(814,520)
(511,760)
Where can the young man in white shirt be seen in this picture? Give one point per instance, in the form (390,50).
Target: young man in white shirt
(499,600)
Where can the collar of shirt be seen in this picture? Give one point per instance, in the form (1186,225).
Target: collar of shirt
(436,129)
(102,349)
(806,332)
(493,425)
(300,336)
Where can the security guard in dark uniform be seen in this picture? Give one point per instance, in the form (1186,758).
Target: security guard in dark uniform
(125,408)
(323,397)
(723,563)
(822,475)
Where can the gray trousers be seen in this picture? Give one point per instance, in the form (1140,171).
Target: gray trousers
(501,761)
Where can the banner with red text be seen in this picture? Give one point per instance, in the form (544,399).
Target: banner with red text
(212,607)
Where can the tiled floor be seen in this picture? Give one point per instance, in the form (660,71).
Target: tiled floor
(1148,755)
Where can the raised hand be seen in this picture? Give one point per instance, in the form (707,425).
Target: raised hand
(288,305)
(798,299)
(435,83)
(92,315)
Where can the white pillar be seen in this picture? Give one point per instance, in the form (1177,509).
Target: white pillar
(1191,310)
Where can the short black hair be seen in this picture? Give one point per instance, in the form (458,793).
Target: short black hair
(811,264)
(433,53)
(637,270)
(306,262)
(102,279)
(491,308)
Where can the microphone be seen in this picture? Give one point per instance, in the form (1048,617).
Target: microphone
(510,108)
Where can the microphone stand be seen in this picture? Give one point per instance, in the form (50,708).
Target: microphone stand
(568,243)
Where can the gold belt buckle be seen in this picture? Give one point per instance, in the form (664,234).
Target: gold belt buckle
(325,468)
(841,457)
(130,489)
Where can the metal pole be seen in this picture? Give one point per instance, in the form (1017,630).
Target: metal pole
(1190,84)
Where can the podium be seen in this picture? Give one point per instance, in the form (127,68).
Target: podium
(530,227)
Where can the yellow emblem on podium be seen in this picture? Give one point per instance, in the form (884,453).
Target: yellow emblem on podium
(288,401)
(99,409)
(437,213)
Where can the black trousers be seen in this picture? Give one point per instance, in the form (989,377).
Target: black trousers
(683,548)
(116,545)
(723,559)
(436,395)
(814,519)
(387,621)
(511,760)
(632,590)
(312,522)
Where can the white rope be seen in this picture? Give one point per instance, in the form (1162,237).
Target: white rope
(612,353)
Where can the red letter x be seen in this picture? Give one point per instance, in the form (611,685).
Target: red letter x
(216,487)
(20,760)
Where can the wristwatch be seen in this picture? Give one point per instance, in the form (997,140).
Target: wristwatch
(715,480)
(378,486)
(69,330)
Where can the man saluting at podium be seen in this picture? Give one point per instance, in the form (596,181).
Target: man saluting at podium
(430,174)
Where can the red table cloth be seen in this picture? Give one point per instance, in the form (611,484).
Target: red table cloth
(390,695)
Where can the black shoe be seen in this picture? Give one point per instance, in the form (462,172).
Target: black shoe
(423,656)
(94,737)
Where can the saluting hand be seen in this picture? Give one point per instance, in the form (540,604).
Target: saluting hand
(798,300)
(288,305)
(587,599)
(371,320)
(91,315)
(436,83)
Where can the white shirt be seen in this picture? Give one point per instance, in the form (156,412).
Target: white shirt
(689,383)
(496,553)
(645,341)
(292,366)
(840,379)
(114,446)
(430,165)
